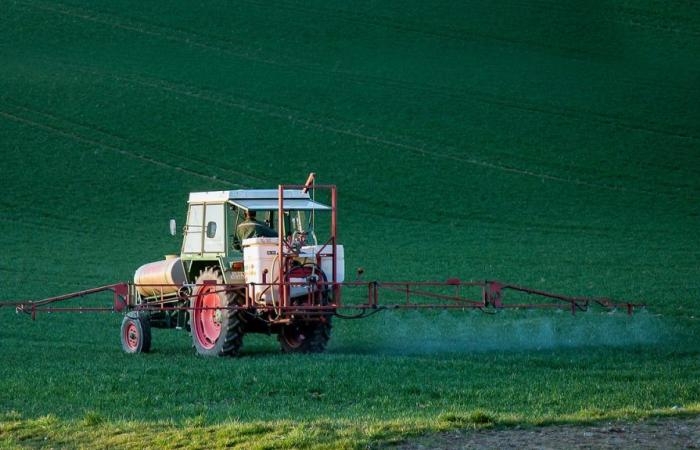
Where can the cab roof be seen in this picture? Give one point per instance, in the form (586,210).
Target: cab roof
(259,199)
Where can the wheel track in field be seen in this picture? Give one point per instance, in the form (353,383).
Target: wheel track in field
(663,28)
(619,9)
(131,142)
(160,30)
(351,131)
(64,224)
(365,137)
(78,284)
(290,114)
(493,222)
(283,113)
(230,46)
(463,35)
(60,225)
(484,218)
(449,33)
(452,33)
(514,225)
(30,273)
(363,200)
(526,106)
(46,226)
(405,143)
(636,15)
(89,141)
(92,142)
(364,79)
(142,27)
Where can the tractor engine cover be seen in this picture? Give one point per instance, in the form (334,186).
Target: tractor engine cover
(167,272)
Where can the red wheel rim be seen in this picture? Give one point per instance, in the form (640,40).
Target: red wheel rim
(131,336)
(207,322)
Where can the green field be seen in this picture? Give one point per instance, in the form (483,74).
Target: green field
(550,144)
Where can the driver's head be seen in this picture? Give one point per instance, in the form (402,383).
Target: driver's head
(250,214)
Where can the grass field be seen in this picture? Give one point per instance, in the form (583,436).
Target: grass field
(550,144)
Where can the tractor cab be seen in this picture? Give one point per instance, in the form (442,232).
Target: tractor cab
(214,219)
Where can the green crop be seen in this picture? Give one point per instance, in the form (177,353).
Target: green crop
(551,145)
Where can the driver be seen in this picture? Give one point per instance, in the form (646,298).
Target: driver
(250,228)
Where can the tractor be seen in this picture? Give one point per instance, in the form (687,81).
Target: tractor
(251,262)
(221,287)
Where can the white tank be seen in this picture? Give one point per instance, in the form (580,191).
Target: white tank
(169,271)
(260,254)
(309,253)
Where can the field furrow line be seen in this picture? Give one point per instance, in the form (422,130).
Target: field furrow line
(60,223)
(222,165)
(437,31)
(396,142)
(414,147)
(466,218)
(189,38)
(662,28)
(521,105)
(293,115)
(130,154)
(621,9)
(46,282)
(55,271)
(45,226)
(204,40)
(489,219)
(636,16)
(364,79)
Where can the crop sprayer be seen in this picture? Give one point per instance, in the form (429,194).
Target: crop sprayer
(285,281)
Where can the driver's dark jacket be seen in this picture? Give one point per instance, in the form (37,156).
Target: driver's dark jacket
(250,228)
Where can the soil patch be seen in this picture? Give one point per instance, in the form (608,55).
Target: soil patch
(676,432)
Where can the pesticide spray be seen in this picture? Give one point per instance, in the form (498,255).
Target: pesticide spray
(431,332)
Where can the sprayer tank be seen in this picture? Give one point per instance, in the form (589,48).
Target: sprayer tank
(167,272)
(261,264)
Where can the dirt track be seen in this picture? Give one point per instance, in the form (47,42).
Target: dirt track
(649,434)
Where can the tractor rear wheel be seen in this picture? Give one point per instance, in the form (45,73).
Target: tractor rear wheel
(307,337)
(215,332)
(136,333)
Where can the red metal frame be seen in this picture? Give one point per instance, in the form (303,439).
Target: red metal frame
(285,258)
(492,297)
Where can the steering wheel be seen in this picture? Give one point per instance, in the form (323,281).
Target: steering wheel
(297,240)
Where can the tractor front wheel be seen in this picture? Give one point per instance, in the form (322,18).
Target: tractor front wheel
(136,333)
(215,332)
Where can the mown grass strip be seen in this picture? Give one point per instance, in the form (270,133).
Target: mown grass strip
(94,431)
